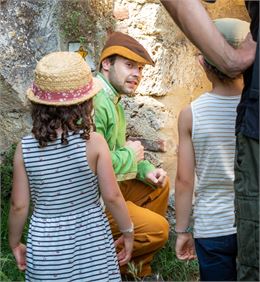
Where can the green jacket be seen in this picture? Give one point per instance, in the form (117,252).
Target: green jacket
(111,123)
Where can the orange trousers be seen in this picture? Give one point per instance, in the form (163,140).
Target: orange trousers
(147,208)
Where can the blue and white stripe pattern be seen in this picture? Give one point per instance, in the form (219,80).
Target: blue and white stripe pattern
(213,137)
(69,236)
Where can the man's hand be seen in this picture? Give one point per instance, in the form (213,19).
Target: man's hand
(184,247)
(246,52)
(138,148)
(157,177)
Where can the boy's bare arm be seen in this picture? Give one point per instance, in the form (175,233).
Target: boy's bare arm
(185,171)
(184,183)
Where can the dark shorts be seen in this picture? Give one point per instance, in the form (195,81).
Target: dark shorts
(247,207)
(217,258)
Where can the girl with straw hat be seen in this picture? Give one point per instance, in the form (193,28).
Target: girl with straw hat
(63,166)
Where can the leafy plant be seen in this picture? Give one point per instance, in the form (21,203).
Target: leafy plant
(71,25)
(6,174)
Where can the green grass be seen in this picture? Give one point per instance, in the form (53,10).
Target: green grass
(170,268)
(165,262)
(166,266)
(8,270)
(8,267)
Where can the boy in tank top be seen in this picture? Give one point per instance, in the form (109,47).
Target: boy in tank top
(206,149)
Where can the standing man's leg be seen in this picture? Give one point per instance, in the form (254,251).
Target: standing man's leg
(247,207)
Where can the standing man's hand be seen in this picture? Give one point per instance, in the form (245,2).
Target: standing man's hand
(157,177)
(138,149)
(247,51)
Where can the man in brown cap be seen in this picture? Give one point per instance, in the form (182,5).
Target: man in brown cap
(144,187)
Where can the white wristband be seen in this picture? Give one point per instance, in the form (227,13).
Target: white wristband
(129,230)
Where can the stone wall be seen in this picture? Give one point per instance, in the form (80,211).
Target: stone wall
(27,32)
(30,29)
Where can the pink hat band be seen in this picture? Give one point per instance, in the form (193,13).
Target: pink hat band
(62,96)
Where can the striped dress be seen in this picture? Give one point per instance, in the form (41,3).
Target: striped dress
(69,237)
(213,137)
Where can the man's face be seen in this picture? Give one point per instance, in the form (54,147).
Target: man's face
(125,75)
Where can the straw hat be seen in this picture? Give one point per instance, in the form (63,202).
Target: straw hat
(62,79)
(126,46)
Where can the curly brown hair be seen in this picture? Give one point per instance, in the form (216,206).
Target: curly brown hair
(75,118)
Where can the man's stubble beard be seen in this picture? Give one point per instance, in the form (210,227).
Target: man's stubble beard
(128,93)
(132,94)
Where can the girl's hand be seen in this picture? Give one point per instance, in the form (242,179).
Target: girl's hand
(125,242)
(19,253)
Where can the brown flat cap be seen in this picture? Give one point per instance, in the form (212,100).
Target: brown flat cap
(126,46)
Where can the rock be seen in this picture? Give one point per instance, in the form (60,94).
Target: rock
(14,117)
(157,145)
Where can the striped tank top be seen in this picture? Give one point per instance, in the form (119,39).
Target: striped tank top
(213,137)
(69,237)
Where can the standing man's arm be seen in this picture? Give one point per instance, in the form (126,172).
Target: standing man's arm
(193,20)
(184,184)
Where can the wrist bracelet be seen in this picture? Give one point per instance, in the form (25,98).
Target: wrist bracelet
(129,230)
(189,229)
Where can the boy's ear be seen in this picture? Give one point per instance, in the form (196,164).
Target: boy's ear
(202,61)
(106,64)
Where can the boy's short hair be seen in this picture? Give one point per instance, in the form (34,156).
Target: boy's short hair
(219,74)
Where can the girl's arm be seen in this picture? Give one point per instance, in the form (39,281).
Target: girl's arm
(112,196)
(20,202)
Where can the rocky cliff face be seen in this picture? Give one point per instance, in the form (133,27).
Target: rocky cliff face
(27,32)
(14,117)
(30,29)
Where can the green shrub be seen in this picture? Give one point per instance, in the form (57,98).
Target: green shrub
(7,174)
